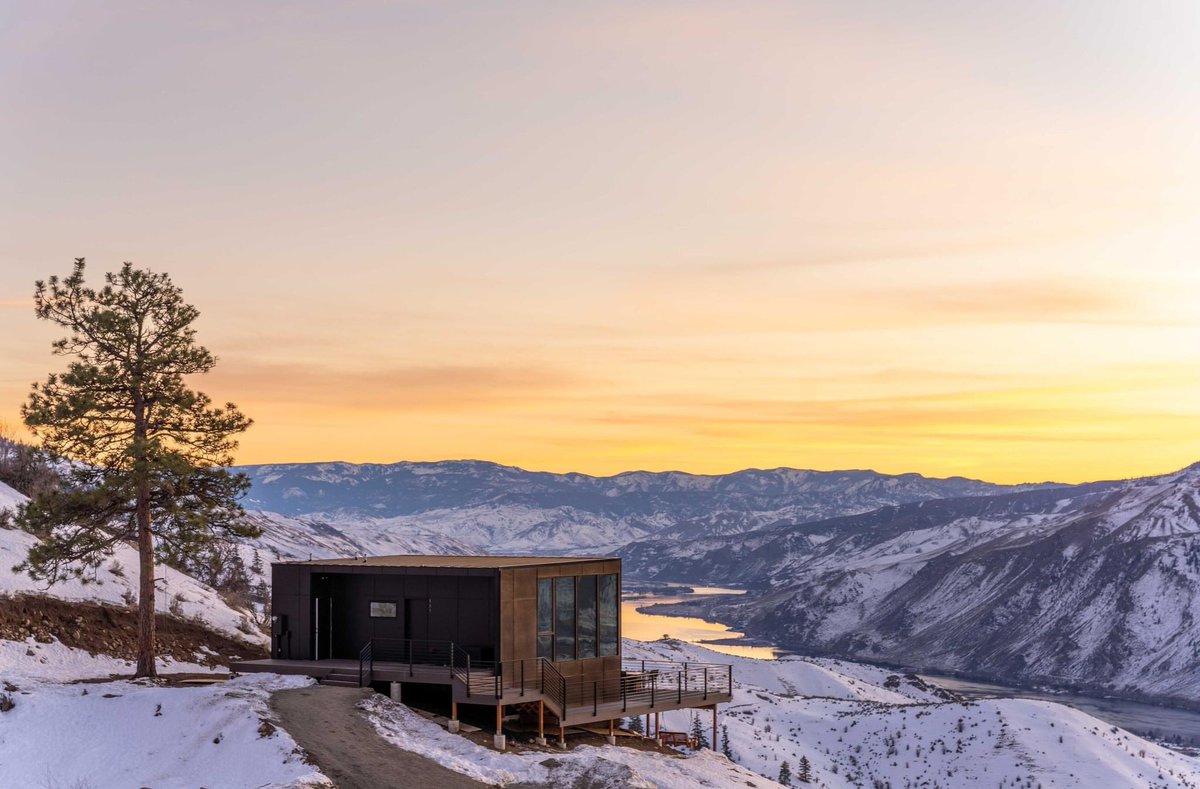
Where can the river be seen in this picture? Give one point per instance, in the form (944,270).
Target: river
(650,627)
(1160,723)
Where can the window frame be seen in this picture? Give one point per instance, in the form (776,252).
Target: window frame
(547,642)
(548,652)
(566,644)
(581,582)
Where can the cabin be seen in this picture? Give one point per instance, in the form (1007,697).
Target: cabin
(536,637)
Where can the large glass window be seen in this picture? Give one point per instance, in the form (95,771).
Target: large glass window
(607,614)
(564,618)
(545,618)
(587,616)
(578,617)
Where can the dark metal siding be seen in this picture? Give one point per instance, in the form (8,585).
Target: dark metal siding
(493,610)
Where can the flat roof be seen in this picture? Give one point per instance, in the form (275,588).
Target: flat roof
(464,562)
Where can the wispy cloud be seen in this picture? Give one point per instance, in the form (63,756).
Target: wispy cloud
(396,389)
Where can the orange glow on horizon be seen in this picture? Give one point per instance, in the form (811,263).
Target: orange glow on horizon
(603,238)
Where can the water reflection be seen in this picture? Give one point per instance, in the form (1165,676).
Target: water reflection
(694,630)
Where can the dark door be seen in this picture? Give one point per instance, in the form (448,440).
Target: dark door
(416,628)
(322,620)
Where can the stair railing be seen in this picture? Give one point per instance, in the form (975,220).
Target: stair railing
(554,686)
(366,664)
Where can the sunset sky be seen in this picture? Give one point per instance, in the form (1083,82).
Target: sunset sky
(934,236)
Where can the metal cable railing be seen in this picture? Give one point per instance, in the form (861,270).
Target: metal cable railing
(641,683)
(553,686)
(366,660)
(652,684)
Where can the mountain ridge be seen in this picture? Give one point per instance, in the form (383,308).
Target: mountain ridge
(507,508)
(1095,585)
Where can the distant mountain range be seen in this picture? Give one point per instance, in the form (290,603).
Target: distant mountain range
(497,508)
(1094,585)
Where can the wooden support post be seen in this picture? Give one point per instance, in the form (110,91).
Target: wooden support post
(541,719)
(453,726)
(714,739)
(648,732)
(612,735)
(562,737)
(657,726)
(499,740)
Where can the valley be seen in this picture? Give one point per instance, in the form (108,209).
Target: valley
(1171,725)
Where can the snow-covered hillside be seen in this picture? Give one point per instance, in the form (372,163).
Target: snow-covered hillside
(863,726)
(857,726)
(1095,585)
(115,582)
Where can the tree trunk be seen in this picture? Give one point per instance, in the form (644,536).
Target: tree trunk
(146,607)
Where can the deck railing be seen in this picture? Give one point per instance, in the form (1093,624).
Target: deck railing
(651,684)
(407,651)
(366,664)
(641,683)
(554,687)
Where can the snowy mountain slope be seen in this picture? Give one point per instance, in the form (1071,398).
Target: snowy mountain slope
(1093,586)
(863,734)
(858,726)
(793,675)
(286,538)
(115,582)
(500,508)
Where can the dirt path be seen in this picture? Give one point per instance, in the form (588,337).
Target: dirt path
(324,721)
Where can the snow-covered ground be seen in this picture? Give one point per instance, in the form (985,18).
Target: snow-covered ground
(857,725)
(607,767)
(112,734)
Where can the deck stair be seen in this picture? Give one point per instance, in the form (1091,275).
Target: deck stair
(342,678)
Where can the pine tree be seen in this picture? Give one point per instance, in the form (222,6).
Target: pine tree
(256,564)
(635,724)
(146,456)
(785,774)
(804,770)
(698,732)
(725,749)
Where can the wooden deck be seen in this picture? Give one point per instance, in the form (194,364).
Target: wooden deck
(318,669)
(578,712)
(615,710)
